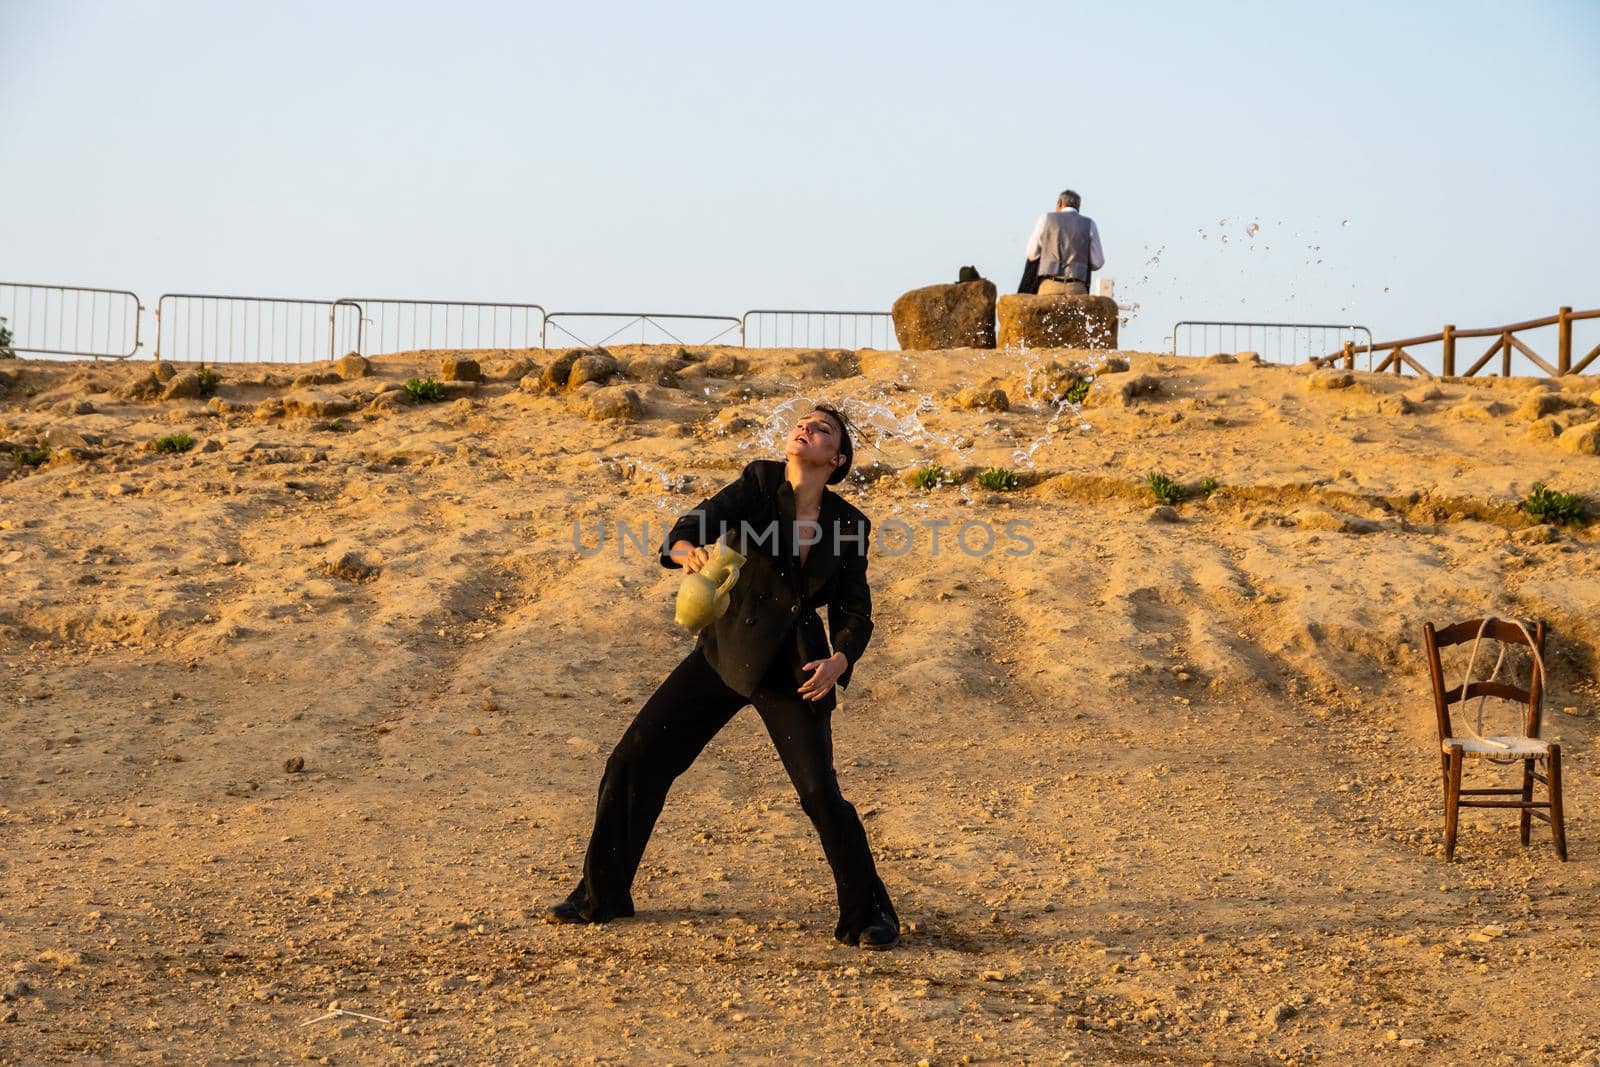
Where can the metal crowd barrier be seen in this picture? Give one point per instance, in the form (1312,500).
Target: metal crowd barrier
(71,320)
(1276,342)
(250,329)
(823,329)
(645,321)
(384,324)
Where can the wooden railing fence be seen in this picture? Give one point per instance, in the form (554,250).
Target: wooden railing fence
(1395,358)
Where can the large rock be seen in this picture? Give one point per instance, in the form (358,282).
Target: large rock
(946,316)
(353,365)
(1057,321)
(1581,440)
(185,386)
(460,370)
(596,365)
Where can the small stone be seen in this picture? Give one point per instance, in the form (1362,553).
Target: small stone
(1543,534)
(973,398)
(163,371)
(1143,385)
(1219,358)
(1472,409)
(353,365)
(1279,1014)
(1396,405)
(1110,365)
(294,764)
(1162,513)
(352,567)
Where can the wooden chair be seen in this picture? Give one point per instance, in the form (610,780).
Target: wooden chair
(1530,748)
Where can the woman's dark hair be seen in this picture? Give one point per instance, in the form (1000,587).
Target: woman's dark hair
(846,448)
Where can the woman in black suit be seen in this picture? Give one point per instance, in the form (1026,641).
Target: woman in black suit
(804,547)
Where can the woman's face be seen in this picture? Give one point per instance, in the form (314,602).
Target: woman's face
(814,440)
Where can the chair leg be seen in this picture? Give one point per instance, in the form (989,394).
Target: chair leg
(1558,825)
(1452,804)
(1527,797)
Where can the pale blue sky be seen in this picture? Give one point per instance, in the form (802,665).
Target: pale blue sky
(716,157)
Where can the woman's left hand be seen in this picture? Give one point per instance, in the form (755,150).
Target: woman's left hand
(827,671)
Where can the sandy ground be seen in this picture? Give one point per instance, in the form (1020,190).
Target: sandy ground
(1153,791)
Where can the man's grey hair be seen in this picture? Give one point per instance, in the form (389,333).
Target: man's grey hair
(1068,198)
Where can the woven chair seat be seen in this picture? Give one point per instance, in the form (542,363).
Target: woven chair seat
(1515,747)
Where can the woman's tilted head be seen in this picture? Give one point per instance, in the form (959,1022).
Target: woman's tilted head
(821,437)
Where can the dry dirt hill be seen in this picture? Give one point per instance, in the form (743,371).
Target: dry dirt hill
(1161,788)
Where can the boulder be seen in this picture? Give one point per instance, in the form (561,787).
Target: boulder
(614,402)
(595,365)
(946,316)
(352,366)
(1057,321)
(185,386)
(1330,379)
(460,370)
(656,370)
(555,375)
(1581,440)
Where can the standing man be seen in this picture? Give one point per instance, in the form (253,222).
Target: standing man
(1062,251)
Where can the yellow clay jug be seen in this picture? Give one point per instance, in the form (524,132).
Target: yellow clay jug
(703,596)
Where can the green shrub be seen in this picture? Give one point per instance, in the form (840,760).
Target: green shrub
(1549,505)
(6,351)
(1077,391)
(425,390)
(998,480)
(209,380)
(1207,485)
(931,476)
(172,442)
(1165,489)
(33,457)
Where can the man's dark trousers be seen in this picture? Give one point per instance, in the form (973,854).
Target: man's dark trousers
(672,728)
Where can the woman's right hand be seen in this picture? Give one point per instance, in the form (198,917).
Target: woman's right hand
(689,556)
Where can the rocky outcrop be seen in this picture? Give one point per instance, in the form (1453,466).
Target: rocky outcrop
(946,316)
(1057,321)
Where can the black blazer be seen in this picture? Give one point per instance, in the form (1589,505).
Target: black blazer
(772,608)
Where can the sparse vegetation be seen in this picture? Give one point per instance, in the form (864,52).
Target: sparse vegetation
(425,390)
(931,476)
(1165,490)
(998,480)
(33,457)
(172,443)
(1078,391)
(209,380)
(6,351)
(1207,485)
(1551,505)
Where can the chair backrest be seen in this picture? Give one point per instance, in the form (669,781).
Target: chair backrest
(1461,633)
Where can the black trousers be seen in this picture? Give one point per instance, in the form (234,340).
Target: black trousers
(669,732)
